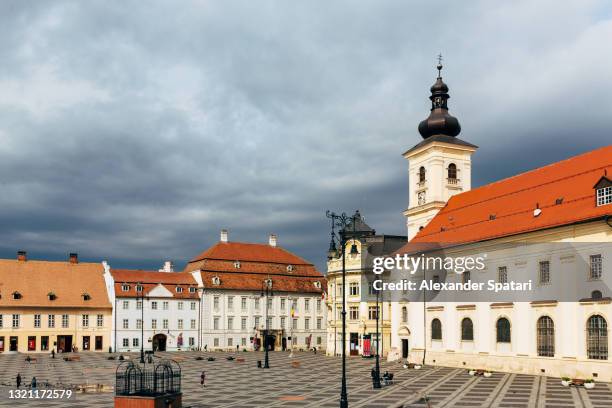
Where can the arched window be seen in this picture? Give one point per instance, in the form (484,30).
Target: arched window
(503,330)
(452,171)
(596,294)
(546,337)
(467,329)
(422,174)
(436,329)
(404,314)
(597,338)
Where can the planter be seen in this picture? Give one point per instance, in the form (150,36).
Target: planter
(565,383)
(487,374)
(589,385)
(472,372)
(417,367)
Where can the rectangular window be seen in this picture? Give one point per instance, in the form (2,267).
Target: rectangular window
(354,289)
(126,324)
(354,313)
(595,267)
(126,304)
(216,342)
(193,305)
(295,324)
(230,342)
(126,342)
(138,304)
(230,303)
(230,323)
(319,340)
(193,324)
(135,342)
(544,272)
(100,320)
(306,324)
(466,277)
(165,324)
(282,321)
(36,320)
(85,320)
(307,305)
(154,305)
(216,323)
(180,305)
(283,304)
(256,303)
(154,324)
(604,196)
(50,321)
(191,341)
(65,321)
(318,305)
(216,303)
(269,303)
(319,323)
(243,323)
(165,305)
(269,322)
(180,324)
(243,341)
(372,312)
(256,321)
(294,305)
(1,321)
(502,274)
(44,343)
(31,343)
(243,303)
(138,324)
(436,279)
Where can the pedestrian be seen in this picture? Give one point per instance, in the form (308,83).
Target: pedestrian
(33,383)
(206,347)
(52,353)
(18,380)
(314,349)
(202,379)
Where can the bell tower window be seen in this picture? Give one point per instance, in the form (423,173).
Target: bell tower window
(452,171)
(421,197)
(421,175)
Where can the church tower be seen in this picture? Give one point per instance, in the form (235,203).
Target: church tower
(439,166)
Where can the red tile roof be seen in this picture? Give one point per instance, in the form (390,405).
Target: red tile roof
(34,280)
(241,251)
(506,207)
(150,280)
(257,263)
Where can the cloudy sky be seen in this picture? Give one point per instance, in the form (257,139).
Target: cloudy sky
(134,131)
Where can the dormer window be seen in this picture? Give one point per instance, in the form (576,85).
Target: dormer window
(86,297)
(216,280)
(51,296)
(603,190)
(237,264)
(422,175)
(16,295)
(289,268)
(192,289)
(179,289)
(317,284)
(138,288)
(125,288)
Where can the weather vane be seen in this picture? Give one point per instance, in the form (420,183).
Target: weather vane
(439,65)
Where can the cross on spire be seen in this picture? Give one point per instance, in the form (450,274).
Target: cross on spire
(439,65)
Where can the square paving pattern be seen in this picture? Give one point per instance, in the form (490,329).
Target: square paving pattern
(315,383)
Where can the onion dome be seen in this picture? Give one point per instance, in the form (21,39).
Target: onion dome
(439,122)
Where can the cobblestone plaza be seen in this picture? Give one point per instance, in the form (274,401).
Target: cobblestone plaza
(314,383)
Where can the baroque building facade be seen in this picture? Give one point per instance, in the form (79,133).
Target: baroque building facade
(550,226)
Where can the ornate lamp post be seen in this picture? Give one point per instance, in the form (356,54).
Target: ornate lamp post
(342,221)
(376,377)
(140,290)
(266,290)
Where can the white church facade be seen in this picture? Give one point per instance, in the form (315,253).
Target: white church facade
(551,226)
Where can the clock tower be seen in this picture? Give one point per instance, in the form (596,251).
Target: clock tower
(439,166)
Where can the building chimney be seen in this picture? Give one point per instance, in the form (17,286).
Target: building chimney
(272,240)
(223,235)
(74,258)
(168,267)
(22,256)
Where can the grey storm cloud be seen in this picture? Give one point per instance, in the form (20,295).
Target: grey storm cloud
(134,131)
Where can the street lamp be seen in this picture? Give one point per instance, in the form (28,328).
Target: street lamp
(140,290)
(266,290)
(376,377)
(342,221)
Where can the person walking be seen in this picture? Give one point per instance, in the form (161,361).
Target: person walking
(18,380)
(33,383)
(203,379)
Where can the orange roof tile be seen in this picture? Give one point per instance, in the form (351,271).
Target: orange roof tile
(241,251)
(254,281)
(150,280)
(506,207)
(34,280)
